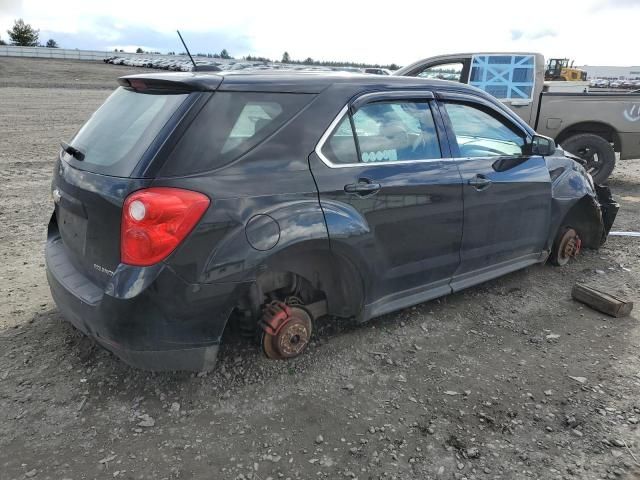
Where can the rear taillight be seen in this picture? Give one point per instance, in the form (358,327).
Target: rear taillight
(155,221)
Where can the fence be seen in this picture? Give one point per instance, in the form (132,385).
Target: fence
(75,54)
(62,53)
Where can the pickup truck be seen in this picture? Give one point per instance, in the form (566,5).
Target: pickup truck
(593,126)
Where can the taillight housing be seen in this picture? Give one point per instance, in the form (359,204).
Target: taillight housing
(155,221)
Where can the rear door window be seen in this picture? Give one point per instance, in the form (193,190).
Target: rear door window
(117,135)
(387,131)
(506,77)
(228,126)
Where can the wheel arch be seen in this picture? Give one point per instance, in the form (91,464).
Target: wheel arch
(583,215)
(602,129)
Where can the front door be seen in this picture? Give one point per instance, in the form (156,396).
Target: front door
(390,198)
(507,194)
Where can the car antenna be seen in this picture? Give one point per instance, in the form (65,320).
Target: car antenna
(188,52)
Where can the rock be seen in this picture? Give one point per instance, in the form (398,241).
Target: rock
(552,336)
(572,422)
(451,392)
(175,407)
(472,452)
(146,421)
(349,386)
(632,420)
(576,432)
(319,439)
(616,442)
(548,393)
(31,473)
(372,429)
(578,379)
(108,459)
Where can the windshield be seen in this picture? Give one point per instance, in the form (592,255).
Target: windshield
(121,130)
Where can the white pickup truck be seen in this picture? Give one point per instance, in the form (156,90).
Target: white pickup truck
(591,125)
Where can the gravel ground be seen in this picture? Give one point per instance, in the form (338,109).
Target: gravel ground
(507,380)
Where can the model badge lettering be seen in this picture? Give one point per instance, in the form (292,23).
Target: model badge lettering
(102,269)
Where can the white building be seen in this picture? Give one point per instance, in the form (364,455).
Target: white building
(612,73)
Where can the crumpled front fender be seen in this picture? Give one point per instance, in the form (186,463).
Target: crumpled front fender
(578,203)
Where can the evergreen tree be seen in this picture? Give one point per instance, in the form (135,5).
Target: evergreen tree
(23,35)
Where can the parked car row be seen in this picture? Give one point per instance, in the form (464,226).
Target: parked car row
(182,63)
(178,64)
(607,83)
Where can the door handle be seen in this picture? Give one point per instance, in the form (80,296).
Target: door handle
(480,182)
(363,187)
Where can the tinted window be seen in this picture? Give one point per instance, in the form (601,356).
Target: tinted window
(385,132)
(120,131)
(228,126)
(480,134)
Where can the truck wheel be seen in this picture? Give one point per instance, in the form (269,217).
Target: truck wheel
(598,152)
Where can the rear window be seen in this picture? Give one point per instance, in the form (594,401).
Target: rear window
(229,125)
(121,130)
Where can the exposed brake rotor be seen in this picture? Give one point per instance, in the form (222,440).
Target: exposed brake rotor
(569,246)
(286,330)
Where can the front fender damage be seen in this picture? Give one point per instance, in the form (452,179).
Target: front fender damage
(579,204)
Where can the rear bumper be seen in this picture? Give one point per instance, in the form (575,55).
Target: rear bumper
(167,325)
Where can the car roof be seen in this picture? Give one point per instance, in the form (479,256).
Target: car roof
(282,80)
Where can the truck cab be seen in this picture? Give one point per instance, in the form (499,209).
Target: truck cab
(593,126)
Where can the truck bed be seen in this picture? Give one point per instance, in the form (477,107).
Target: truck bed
(559,113)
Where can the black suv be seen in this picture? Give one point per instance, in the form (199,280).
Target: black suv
(190,201)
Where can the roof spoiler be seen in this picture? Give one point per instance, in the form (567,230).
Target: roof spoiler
(171,83)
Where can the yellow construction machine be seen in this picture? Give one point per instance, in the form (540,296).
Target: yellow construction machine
(559,69)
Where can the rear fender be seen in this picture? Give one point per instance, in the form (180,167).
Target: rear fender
(245,248)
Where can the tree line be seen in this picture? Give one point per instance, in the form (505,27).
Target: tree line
(24,35)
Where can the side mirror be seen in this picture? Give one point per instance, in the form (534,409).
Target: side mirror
(540,145)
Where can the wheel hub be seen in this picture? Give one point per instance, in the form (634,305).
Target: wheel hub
(570,245)
(286,330)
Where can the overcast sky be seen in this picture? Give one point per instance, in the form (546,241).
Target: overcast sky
(594,32)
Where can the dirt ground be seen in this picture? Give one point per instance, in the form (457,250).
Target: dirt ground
(507,380)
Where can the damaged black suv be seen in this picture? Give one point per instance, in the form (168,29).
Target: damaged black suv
(189,202)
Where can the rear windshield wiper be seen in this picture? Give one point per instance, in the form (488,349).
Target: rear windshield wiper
(73,151)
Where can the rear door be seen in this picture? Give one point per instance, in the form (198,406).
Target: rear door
(507,194)
(392,196)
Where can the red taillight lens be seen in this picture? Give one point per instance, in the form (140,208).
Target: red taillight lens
(155,221)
